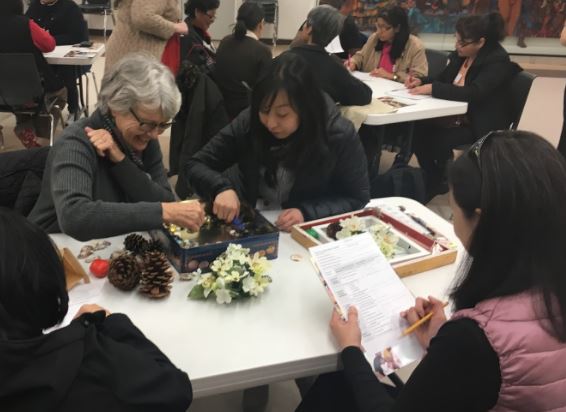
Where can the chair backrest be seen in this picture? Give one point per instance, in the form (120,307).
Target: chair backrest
(437,61)
(20,82)
(544,110)
(520,87)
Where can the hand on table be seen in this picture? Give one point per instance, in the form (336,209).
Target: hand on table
(226,205)
(424,89)
(189,215)
(346,332)
(411,82)
(288,218)
(349,65)
(380,72)
(90,308)
(104,144)
(428,330)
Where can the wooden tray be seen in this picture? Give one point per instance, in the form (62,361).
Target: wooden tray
(439,253)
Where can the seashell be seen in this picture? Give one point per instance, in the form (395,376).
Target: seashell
(86,251)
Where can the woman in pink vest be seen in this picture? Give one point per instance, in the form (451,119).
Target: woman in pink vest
(504,349)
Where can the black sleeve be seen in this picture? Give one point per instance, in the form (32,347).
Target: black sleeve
(349,185)
(142,187)
(143,378)
(449,73)
(349,91)
(75,28)
(491,76)
(204,169)
(460,372)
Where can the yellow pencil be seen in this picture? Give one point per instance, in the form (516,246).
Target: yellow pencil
(417,324)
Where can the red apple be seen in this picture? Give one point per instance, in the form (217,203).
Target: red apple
(99,267)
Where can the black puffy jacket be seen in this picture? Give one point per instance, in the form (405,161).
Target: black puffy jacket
(341,189)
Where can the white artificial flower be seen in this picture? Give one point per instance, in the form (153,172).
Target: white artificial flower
(248,284)
(353,224)
(223,296)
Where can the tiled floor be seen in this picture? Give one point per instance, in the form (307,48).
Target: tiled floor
(284,396)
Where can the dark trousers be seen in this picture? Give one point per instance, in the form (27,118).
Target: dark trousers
(562,142)
(332,393)
(69,76)
(433,145)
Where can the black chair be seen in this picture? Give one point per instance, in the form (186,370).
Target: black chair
(102,7)
(519,89)
(21,89)
(437,61)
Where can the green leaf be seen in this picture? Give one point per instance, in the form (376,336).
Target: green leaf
(197,292)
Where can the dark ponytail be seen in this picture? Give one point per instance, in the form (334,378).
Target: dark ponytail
(489,26)
(250,15)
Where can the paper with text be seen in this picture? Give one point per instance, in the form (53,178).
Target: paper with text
(356,273)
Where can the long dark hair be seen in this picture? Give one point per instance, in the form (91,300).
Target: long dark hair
(519,184)
(33,294)
(11,8)
(396,17)
(489,26)
(191,6)
(308,147)
(250,15)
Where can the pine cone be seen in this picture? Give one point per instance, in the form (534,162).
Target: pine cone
(332,229)
(157,276)
(155,245)
(124,272)
(136,244)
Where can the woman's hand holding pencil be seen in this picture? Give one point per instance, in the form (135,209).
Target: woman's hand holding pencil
(425,318)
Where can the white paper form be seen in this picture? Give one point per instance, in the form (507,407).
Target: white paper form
(357,273)
(403,93)
(334,46)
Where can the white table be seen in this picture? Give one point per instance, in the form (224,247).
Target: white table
(281,335)
(418,110)
(87,57)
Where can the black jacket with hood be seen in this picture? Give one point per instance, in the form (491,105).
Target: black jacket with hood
(342,186)
(94,364)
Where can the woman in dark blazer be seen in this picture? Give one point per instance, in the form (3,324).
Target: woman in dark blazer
(479,72)
(241,59)
(293,151)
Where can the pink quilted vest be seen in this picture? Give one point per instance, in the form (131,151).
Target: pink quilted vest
(532,362)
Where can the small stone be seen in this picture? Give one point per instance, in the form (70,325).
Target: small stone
(296,258)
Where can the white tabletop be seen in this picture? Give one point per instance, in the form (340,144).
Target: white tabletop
(86,56)
(418,110)
(281,335)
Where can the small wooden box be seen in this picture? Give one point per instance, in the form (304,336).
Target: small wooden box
(438,253)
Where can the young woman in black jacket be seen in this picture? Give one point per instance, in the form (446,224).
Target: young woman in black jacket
(100,362)
(479,73)
(292,149)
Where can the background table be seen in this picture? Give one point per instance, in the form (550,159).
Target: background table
(281,335)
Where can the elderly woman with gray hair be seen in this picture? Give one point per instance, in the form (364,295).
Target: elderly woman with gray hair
(105,175)
(323,24)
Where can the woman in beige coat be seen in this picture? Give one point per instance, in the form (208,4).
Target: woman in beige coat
(143,25)
(391,52)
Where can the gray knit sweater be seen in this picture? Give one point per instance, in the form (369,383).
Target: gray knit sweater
(89,197)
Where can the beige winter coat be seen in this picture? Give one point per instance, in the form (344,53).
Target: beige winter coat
(412,60)
(141,25)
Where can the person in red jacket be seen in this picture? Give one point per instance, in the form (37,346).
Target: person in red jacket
(19,34)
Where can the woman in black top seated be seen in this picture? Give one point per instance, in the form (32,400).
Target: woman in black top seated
(100,362)
(479,72)
(197,47)
(241,59)
(292,149)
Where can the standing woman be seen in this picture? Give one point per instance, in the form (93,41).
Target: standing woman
(391,52)
(143,26)
(479,73)
(241,59)
(292,148)
(197,47)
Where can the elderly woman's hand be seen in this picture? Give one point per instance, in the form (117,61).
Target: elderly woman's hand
(226,205)
(189,215)
(105,145)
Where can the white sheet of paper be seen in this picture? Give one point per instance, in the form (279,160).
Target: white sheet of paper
(357,273)
(403,93)
(334,46)
(363,76)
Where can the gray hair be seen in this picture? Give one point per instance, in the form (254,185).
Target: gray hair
(326,23)
(139,80)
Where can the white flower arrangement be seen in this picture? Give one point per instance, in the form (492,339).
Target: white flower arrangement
(234,274)
(385,238)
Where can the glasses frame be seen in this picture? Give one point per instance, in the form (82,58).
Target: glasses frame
(151,126)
